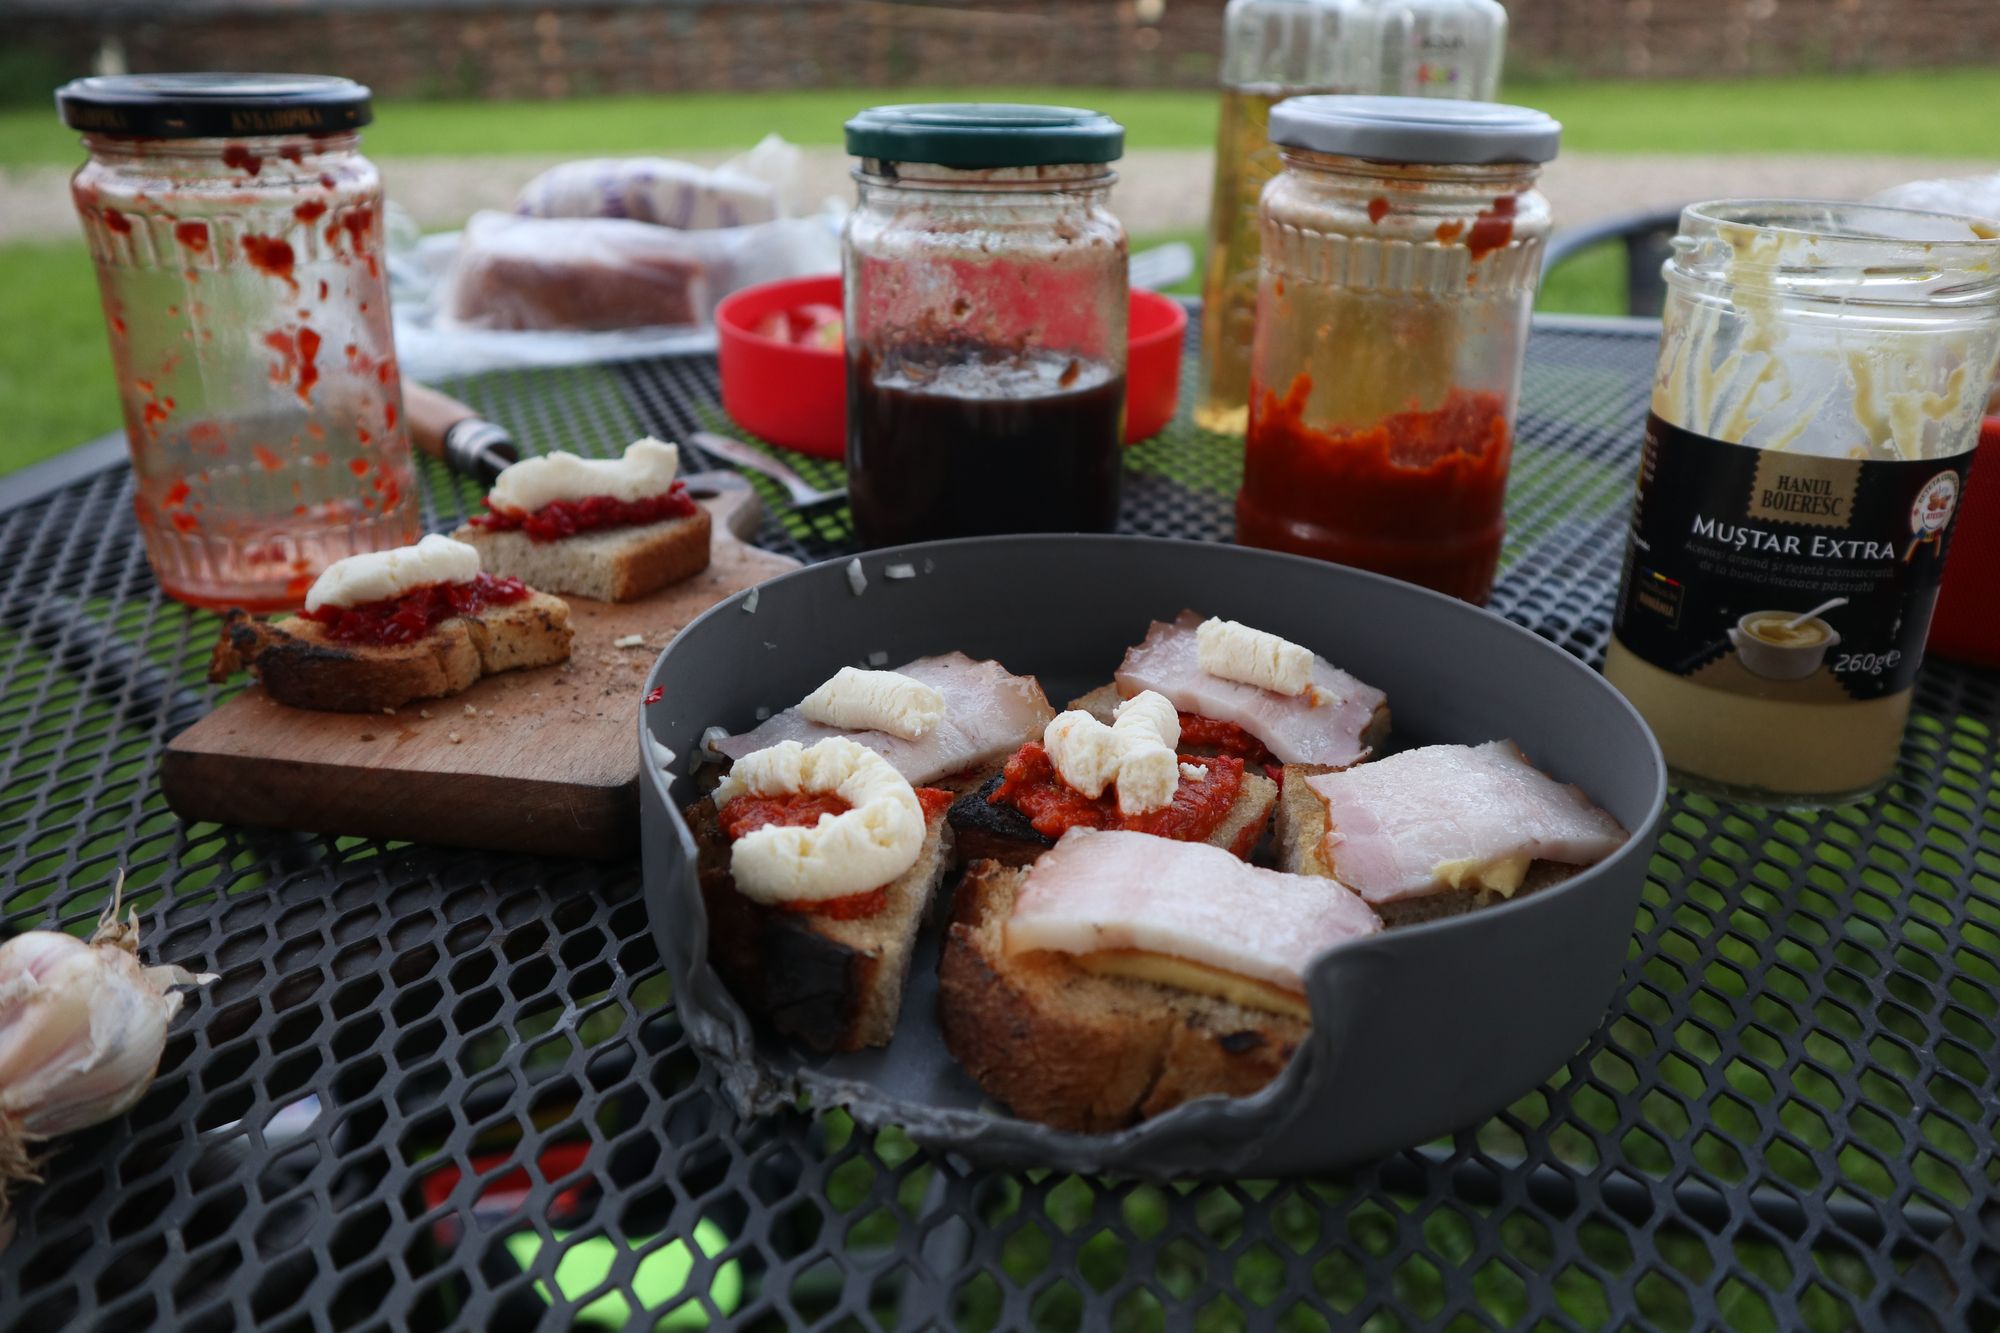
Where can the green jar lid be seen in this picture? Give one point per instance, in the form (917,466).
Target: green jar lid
(985,134)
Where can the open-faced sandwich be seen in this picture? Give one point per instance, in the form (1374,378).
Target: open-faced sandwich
(389,627)
(611,529)
(946,721)
(1123,974)
(1127,773)
(1440,830)
(1249,694)
(816,865)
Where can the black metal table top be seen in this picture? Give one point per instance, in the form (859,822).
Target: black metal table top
(438,1088)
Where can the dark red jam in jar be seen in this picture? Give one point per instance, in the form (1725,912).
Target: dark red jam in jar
(956,441)
(986,307)
(417,612)
(595,513)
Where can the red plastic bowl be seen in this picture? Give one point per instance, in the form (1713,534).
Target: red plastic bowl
(778,391)
(1156,325)
(797,396)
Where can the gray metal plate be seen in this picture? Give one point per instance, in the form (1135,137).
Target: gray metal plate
(1416,1031)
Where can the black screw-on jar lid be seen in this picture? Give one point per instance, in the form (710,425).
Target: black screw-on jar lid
(975,135)
(214,106)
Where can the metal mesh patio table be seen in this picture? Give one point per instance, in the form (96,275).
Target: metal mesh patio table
(437,1088)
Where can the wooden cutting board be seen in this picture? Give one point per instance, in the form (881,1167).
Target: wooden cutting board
(529,761)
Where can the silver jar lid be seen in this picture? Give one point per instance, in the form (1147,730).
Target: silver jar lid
(1429,131)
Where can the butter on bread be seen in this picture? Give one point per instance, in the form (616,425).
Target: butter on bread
(862,848)
(647,469)
(832,984)
(1134,751)
(610,565)
(613,565)
(1231,651)
(888,701)
(301,667)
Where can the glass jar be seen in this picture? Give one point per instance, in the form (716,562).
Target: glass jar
(1271,50)
(1443,48)
(985,325)
(237,236)
(1402,247)
(1823,370)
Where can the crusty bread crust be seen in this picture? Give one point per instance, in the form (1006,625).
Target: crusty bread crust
(1301,843)
(833,985)
(618,565)
(1079,1051)
(1101,702)
(1002,833)
(302,668)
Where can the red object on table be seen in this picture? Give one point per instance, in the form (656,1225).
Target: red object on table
(1155,327)
(1418,496)
(1966,625)
(788,393)
(795,395)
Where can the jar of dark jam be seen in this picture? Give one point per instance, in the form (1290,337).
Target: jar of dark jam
(986,301)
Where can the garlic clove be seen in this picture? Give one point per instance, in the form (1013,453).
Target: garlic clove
(82,1027)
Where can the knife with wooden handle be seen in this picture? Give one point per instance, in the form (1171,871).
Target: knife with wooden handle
(467,443)
(456,435)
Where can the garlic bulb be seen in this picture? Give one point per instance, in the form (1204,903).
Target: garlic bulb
(82,1025)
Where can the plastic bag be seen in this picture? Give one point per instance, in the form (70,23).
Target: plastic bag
(1973,196)
(655,190)
(1967,196)
(575,276)
(611,273)
(758,186)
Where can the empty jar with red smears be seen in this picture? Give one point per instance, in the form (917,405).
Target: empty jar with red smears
(237,235)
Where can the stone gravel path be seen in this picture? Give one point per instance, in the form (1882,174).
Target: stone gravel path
(1159,189)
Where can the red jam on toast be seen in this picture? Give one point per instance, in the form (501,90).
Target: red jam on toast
(1031,785)
(417,612)
(566,518)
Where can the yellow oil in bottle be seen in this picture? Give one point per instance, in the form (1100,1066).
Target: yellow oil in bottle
(1244,161)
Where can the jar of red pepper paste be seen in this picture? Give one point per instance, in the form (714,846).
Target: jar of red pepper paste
(1402,246)
(237,235)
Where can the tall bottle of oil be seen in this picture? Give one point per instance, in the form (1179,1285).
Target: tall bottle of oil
(1271,50)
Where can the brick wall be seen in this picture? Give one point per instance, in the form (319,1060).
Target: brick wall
(556,48)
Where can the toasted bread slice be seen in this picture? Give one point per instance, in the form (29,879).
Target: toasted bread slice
(836,985)
(1002,833)
(616,565)
(1101,702)
(1301,845)
(1078,1050)
(302,668)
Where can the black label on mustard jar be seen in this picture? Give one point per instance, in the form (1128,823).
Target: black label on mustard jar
(1730,544)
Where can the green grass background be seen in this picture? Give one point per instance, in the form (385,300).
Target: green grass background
(55,377)
(1923,113)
